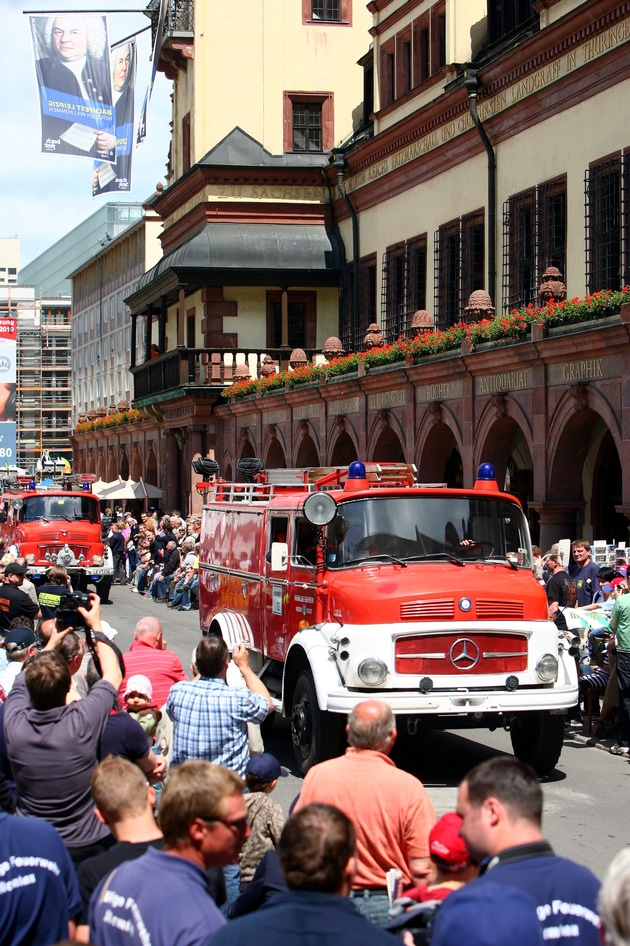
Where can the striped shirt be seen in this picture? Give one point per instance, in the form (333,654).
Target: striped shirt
(210,721)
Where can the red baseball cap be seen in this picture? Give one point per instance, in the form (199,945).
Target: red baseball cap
(613,584)
(446,844)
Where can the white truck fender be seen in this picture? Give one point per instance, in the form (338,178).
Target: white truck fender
(234,629)
(316,647)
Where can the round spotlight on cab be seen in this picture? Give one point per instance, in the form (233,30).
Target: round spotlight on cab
(511,683)
(547,668)
(320,508)
(372,671)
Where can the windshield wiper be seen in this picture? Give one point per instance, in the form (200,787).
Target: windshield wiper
(429,555)
(385,555)
(36,519)
(504,560)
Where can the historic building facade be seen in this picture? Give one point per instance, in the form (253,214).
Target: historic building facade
(487,144)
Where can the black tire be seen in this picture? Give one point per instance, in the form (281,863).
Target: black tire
(316,735)
(103,587)
(537,739)
(267,724)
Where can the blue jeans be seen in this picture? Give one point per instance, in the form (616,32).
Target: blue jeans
(183,592)
(232,885)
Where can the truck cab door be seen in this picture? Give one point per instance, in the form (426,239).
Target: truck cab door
(276,589)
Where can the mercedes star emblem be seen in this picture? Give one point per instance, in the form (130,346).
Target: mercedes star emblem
(464,654)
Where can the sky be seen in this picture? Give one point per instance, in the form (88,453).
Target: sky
(43,196)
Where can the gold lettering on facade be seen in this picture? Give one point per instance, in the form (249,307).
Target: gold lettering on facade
(347,405)
(438,392)
(275,192)
(597,46)
(306,411)
(246,420)
(275,417)
(379,402)
(506,381)
(586,370)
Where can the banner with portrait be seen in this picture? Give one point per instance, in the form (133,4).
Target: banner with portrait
(71,52)
(117,177)
(8,376)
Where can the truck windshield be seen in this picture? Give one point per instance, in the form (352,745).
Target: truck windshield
(428,528)
(69,508)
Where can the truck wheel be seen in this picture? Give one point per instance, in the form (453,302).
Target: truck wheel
(103,588)
(316,735)
(537,739)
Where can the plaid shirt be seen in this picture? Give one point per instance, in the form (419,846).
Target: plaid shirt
(210,721)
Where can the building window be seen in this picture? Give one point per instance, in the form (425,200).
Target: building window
(421,50)
(298,330)
(388,63)
(307,126)
(505,16)
(403,63)
(327,11)
(404,286)
(186,158)
(534,237)
(607,216)
(354,328)
(458,266)
(308,121)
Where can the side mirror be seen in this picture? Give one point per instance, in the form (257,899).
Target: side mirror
(279,556)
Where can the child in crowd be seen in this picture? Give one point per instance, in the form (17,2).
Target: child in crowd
(264,815)
(138,703)
(450,859)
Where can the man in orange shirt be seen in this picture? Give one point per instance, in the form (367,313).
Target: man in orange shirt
(148,655)
(390,809)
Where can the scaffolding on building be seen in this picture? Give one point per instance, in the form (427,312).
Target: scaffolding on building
(44,392)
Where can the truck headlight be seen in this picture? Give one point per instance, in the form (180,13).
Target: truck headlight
(547,668)
(372,672)
(97,560)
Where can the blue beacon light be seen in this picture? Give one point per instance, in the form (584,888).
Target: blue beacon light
(356,470)
(486,477)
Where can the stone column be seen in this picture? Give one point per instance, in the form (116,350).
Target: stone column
(558,521)
(134,329)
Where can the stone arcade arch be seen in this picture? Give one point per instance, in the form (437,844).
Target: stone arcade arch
(440,459)
(584,473)
(307,453)
(344,449)
(124,463)
(151,467)
(387,446)
(504,439)
(102,465)
(136,464)
(112,465)
(275,458)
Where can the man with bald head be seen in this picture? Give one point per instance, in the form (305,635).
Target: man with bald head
(390,809)
(148,655)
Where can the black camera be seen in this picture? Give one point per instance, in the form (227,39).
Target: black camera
(68,614)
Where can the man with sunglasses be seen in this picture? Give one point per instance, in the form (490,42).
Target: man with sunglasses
(162,897)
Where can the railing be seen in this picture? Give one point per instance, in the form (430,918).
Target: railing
(199,367)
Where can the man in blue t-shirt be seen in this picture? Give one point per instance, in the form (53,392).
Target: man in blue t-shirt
(39,894)
(584,571)
(500,802)
(162,897)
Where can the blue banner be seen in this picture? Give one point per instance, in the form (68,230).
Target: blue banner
(7,443)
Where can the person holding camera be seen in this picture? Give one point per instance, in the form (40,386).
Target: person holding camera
(51,746)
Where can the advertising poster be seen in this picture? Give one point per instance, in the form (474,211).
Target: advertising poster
(8,361)
(117,177)
(71,52)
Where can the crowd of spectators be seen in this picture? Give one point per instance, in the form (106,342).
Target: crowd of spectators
(134,808)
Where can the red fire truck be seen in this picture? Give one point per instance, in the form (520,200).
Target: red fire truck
(58,525)
(358,583)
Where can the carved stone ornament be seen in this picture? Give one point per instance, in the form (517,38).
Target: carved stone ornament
(422,321)
(332,348)
(552,286)
(298,358)
(101,411)
(479,306)
(373,337)
(123,405)
(267,367)
(242,373)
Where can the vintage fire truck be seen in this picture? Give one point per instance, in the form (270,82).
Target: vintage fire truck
(57,525)
(357,583)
